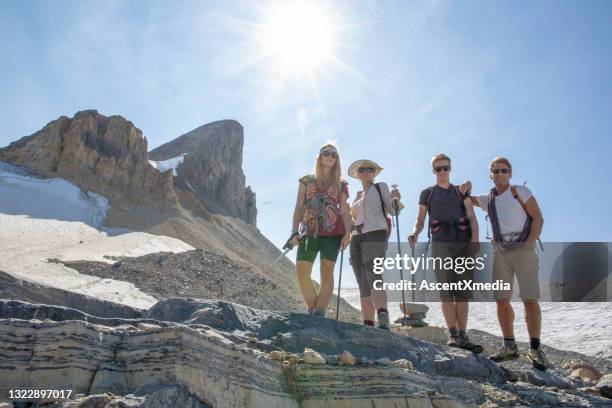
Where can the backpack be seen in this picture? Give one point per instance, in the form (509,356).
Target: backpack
(434,226)
(497,238)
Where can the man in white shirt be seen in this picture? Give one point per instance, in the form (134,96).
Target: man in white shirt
(517,222)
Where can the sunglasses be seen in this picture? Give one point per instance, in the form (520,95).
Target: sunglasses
(327,153)
(503,171)
(441,168)
(365,170)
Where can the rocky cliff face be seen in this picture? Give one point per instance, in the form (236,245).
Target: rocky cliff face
(106,155)
(221,354)
(213,167)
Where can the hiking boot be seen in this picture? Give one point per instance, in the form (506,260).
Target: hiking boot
(538,359)
(453,341)
(505,353)
(383,321)
(466,344)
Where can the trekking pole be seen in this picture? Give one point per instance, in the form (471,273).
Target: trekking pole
(399,251)
(339,282)
(412,274)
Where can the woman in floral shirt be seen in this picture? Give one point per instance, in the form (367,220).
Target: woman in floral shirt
(322,209)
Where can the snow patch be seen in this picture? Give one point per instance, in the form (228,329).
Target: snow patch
(55,198)
(165,165)
(43,219)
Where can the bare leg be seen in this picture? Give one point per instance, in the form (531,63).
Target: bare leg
(327,284)
(533,317)
(450,313)
(462,309)
(505,317)
(367,309)
(309,293)
(379,298)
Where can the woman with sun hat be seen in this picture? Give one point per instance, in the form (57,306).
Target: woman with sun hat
(322,210)
(370,211)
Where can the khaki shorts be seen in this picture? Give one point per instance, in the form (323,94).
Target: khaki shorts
(522,262)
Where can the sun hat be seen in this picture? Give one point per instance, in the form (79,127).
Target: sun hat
(353,170)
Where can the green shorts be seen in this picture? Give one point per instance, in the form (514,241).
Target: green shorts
(311,246)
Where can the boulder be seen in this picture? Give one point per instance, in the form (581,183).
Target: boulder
(313,357)
(605,386)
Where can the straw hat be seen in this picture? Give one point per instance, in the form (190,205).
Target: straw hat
(353,168)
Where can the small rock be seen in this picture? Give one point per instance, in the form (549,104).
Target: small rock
(347,358)
(278,355)
(383,361)
(605,386)
(590,390)
(313,357)
(332,360)
(403,363)
(412,308)
(586,371)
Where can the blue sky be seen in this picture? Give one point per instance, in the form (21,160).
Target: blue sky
(527,80)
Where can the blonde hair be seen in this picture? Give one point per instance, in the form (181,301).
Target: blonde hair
(335,175)
(439,156)
(499,160)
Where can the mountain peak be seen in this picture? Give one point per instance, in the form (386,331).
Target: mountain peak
(212,166)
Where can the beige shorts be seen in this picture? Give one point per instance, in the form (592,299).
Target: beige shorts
(522,262)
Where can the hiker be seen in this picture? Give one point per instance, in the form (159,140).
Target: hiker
(370,212)
(516,222)
(453,232)
(322,209)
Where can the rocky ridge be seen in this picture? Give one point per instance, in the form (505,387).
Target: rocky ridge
(222,354)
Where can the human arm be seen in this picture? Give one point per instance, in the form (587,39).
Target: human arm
(469,211)
(418,224)
(298,212)
(533,210)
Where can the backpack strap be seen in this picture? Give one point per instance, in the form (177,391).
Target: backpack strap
(382,203)
(429,214)
(518,198)
(461,199)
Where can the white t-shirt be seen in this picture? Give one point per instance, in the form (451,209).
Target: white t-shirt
(510,213)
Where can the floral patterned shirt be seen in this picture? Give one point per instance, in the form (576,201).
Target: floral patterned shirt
(322,207)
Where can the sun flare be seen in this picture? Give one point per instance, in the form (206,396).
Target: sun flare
(298,36)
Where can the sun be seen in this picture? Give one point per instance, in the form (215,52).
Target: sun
(298,36)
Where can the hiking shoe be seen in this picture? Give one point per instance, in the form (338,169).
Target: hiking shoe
(383,321)
(505,353)
(538,359)
(466,344)
(309,310)
(453,341)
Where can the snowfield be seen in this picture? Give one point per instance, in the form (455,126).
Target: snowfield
(577,326)
(43,219)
